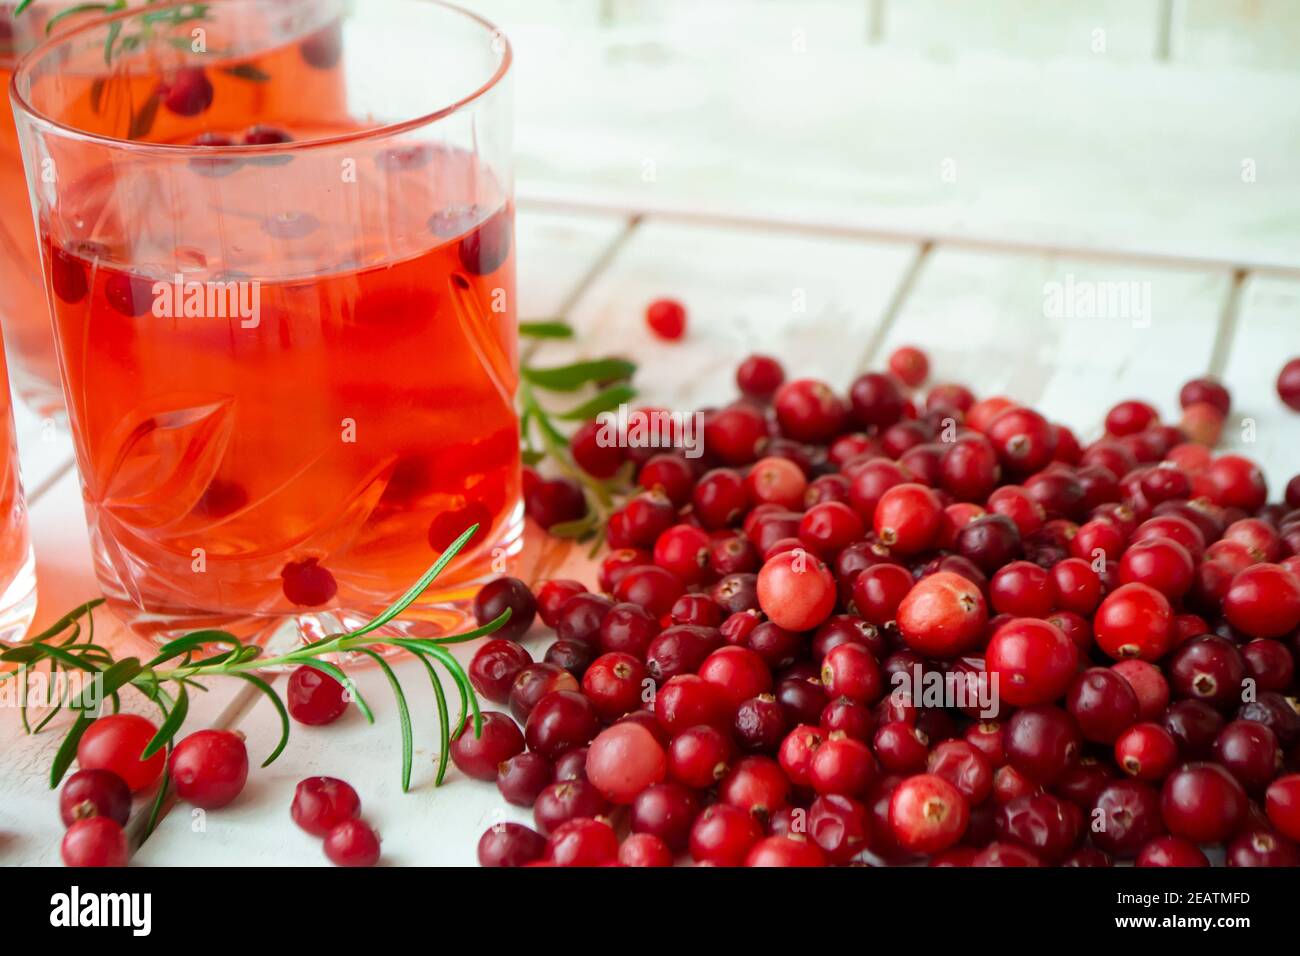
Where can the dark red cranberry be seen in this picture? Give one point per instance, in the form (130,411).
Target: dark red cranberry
(573,656)
(759,376)
(521,778)
(1042,823)
(1042,742)
(760,724)
(94,793)
(555,501)
(1207,668)
(1126,817)
(1250,753)
(990,542)
(667,811)
(510,844)
(680,649)
(567,800)
(307,584)
(1103,704)
(479,756)
(802,699)
(501,595)
(1203,803)
(1194,724)
(533,683)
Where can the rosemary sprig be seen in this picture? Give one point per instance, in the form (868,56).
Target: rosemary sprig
(543,438)
(115,42)
(167,679)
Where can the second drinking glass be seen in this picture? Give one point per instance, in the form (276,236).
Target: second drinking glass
(278,246)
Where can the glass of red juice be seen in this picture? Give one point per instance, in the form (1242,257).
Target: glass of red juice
(278,244)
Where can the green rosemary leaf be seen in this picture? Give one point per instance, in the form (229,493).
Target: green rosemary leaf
(155,811)
(549,329)
(22,5)
(174,649)
(569,378)
(531,458)
(444,727)
(337,673)
(605,401)
(69,660)
(58,626)
(462,681)
(247,71)
(490,627)
(170,726)
(278,704)
(58,708)
(114,678)
(420,586)
(403,716)
(68,749)
(22,654)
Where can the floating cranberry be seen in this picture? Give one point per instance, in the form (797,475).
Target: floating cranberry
(188,93)
(307,584)
(486,249)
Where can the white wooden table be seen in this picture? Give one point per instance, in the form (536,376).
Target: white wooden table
(829,242)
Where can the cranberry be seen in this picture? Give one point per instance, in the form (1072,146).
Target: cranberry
(943,615)
(901,747)
(1249,751)
(1146,751)
(760,724)
(699,756)
(1042,823)
(572,764)
(1262,848)
(736,435)
(796,590)
(322,803)
(652,587)
(1032,660)
(759,376)
(755,784)
(1194,724)
(1126,818)
(1042,743)
(624,760)
(533,683)
(1288,384)
(722,835)
(1103,703)
(1269,664)
(94,841)
(1171,851)
(478,757)
(582,842)
(990,542)
(115,743)
(1024,440)
(687,700)
(560,721)
(666,811)
(307,584)
(680,650)
(963,766)
(666,319)
(669,475)
(582,615)
(1235,482)
(209,768)
(644,850)
(553,595)
(1263,601)
(189,92)
(594,454)
(1022,589)
(839,826)
(1207,668)
(614,684)
(1282,804)
(628,629)
(352,843)
(94,793)
(841,765)
(1276,713)
(1205,390)
(567,800)
(1204,803)
(877,401)
(492,671)
(1148,684)
(879,590)
(501,595)
(510,844)
(782,851)
(1135,620)
(909,365)
(927,814)
(1130,418)
(521,778)
(809,411)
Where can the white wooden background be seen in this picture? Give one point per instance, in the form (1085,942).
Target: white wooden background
(799,200)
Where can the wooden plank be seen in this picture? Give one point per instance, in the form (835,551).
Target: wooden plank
(788,294)
(1266,334)
(719,121)
(992,323)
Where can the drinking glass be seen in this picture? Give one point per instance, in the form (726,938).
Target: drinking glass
(26,322)
(277,237)
(17,563)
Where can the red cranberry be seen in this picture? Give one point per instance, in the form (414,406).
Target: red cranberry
(900,747)
(666,319)
(560,721)
(1288,384)
(307,584)
(1249,751)
(1147,752)
(567,800)
(943,615)
(722,835)
(492,670)
(735,435)
(927,814)
(1282,804)
(510,844)
(478,757)
(624,760)
(1203,803)
(780,851)
(322,803)
(582,615)
(1263,601)
(680,650)
(796,591)
(1103,704)
(1042,823)
(94,842)
(665,810)
(877,402)
(755,784)
(1033,661)
(94,793)
(115,743)
(1134,621)
(553,595)
(533,683)
(1042,743)
(644,850)
(614,684)
(628,629)
(501,595)
(1259,847)
(582,842)
(759,376)
(1126,818)
(1171,851)
(352,843)
(1207,668)
(990,542)
(521,778)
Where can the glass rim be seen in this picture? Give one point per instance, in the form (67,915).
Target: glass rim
(27,62)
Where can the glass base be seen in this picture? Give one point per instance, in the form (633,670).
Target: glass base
(439,612)
(18,603)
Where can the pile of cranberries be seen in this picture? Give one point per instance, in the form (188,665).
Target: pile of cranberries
(769,672)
